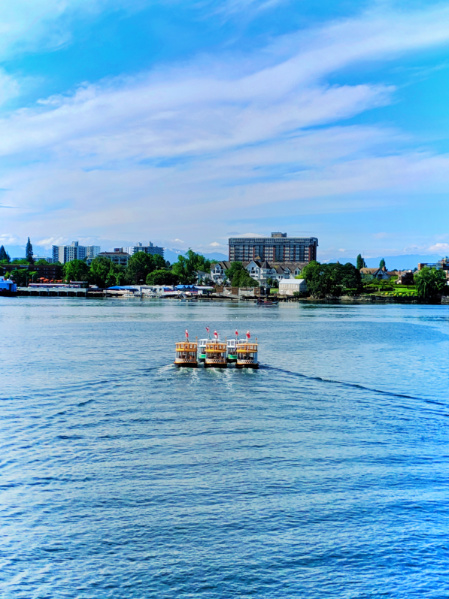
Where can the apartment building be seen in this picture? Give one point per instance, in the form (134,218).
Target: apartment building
(74,251)
(278,248)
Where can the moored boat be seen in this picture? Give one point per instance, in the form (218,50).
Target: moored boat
(187,353)
(7,287)
(266,302)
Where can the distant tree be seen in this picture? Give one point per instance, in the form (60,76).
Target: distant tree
(139,267)
(76,270)
(29,252)
(430,283)
(4,256)
(159,262)
(360,262)
(330,279)
(187,266)
(349,276)
(239,276)
(99,271)
(116,275)
(314,274)
(19,276)
(41,262)
(234,268)
(162,277)
(382,263)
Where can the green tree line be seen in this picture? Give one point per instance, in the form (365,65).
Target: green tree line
(142,269)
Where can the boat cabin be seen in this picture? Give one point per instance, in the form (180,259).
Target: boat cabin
(202,349)
(186,354)
(247,354)
(232,350)
(216,354)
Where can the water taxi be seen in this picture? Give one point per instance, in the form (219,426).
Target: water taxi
(232,349)
(247,353)
(216,353)
(187,353)
(202,349)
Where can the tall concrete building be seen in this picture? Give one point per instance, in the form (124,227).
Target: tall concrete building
(148,249)
(74,251)
(278,248)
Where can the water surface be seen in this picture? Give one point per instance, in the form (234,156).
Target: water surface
(323,474)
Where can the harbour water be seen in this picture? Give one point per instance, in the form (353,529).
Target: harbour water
(323,474)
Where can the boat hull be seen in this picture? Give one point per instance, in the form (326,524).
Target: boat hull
(6,293)
(215,364)
(253,365)
(186,364)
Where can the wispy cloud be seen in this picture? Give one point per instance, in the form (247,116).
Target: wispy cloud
(191,142)
(46,24)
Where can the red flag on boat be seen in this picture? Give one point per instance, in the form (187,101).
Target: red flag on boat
(248,334)
(207,329)
(236,333)
(187,334)
(215,334)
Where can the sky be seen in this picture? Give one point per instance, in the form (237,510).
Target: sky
(185,123)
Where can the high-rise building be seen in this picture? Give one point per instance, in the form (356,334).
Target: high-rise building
(74,251)
(92,251)
(277,248)
(148,249)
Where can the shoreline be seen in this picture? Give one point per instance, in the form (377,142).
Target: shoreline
(345,299)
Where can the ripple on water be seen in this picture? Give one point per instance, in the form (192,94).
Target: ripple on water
(323,474)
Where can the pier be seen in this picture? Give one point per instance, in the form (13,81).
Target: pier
(52,291)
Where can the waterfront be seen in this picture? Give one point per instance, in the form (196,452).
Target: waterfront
(323,474)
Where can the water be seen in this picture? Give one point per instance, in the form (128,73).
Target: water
(324,474)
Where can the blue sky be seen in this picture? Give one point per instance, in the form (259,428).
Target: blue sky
(187,122)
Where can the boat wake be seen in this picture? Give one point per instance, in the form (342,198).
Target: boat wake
(354,386)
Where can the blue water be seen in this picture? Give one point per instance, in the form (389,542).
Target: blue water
(324,474)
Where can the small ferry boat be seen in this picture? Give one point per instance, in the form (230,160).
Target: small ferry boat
(7,287)
(232,349)
(202,349)
(216,353)
(247,353)
(186,353)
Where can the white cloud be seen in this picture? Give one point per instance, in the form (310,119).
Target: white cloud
(7,238)
(211,138)
(439,248)
(9,87)
(231,8)
(28,25)
(49,241)
(206,107)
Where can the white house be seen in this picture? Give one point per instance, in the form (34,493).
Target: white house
(259,270)
(218,272)
(291,286)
